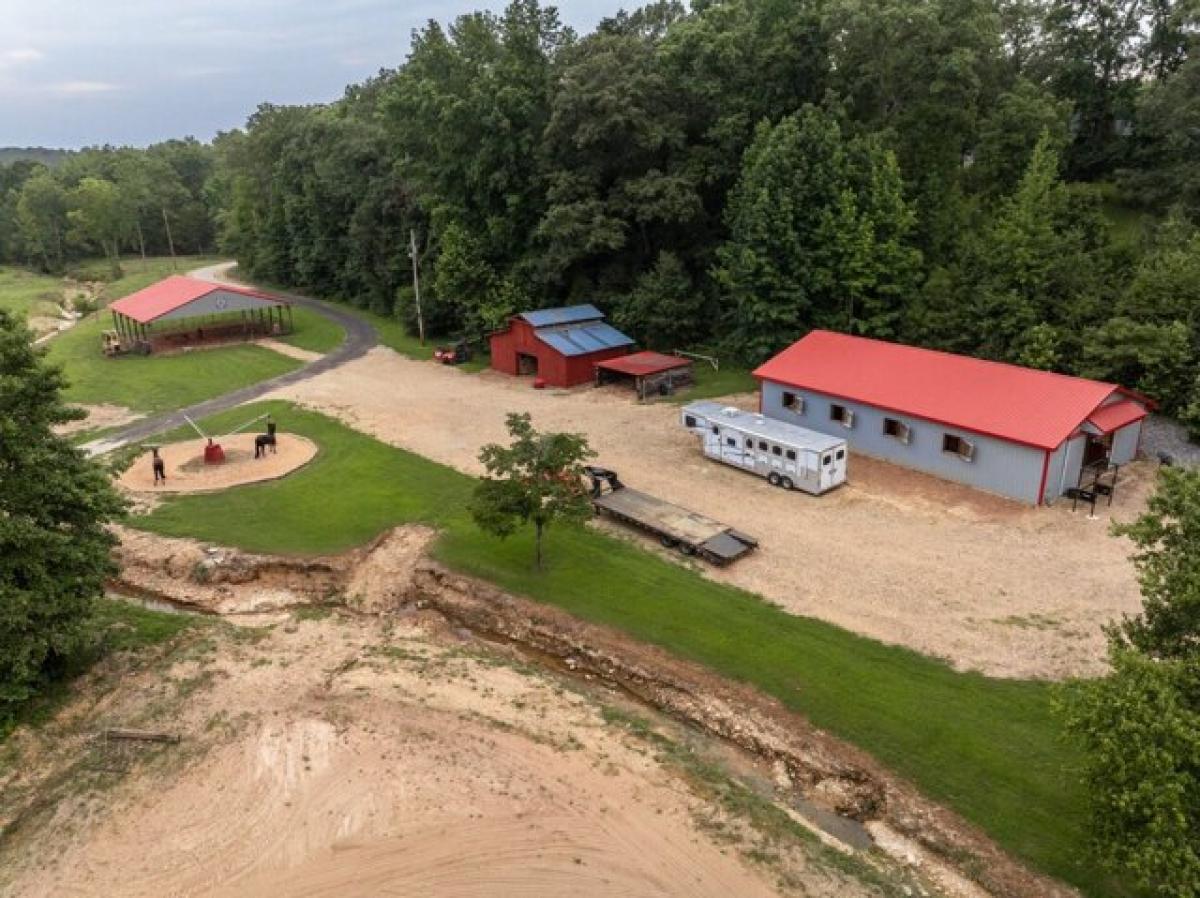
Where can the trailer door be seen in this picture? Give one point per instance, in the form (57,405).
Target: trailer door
(833,467)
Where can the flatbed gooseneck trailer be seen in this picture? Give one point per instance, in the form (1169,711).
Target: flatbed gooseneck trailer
(675,527)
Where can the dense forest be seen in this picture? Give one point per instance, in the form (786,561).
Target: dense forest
(1016,179)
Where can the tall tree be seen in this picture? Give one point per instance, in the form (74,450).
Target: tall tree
(54,503)
(100,216)
(1139,726)
(42,219)
(818,229)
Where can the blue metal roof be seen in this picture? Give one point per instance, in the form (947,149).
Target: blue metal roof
(565,315)
(580,339)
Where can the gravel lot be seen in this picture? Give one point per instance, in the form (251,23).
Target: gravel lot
(895,555)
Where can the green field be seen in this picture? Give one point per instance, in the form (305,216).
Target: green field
(988,748)
(25,293)
(710,384)
(313,332)
(157,383)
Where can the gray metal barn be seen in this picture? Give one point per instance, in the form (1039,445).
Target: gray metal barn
(1025,434)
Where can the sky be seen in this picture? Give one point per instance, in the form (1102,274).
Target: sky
(80,72)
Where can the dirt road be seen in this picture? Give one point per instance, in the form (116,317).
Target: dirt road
(904,558)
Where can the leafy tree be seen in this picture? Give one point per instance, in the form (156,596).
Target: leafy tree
(99,215)
(1167,541)
(1190,416)
(1140,725)
(1139,728)
(1094,47)
(54,503)
(1010,132)
(537,478)
(1041,258)
(464,284)
(1156,358)
(664,310)
(42,219)
(817,236)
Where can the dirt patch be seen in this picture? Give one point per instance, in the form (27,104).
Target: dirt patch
(100,417)
(187,472)
(292,352)
(339,756)
(810,768)
(895,555)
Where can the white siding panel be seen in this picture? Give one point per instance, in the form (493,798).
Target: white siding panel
(1125,443)
(218,302)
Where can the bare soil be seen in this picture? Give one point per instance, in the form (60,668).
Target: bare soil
(392,576)
(896,555)
(100,417)
(187,472)
(294,352)
(339,756)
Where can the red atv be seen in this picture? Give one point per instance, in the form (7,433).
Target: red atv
(453,355)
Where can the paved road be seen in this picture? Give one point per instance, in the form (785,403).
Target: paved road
(360,337)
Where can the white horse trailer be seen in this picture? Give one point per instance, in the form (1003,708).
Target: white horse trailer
(788,456)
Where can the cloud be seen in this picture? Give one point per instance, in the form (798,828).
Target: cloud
(19,56)
(81,88)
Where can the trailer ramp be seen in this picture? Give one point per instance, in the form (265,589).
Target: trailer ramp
(676,527)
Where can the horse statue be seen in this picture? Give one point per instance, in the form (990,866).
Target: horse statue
(265,441)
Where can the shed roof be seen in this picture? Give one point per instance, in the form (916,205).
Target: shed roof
(1036,408)
(1116,415)
(640,364)
(175,292)
(580,339)
(564,315)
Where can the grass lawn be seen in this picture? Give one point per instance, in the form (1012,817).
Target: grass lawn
(711,384)
(988,748)
(314,332)
(156,383)
(25,293)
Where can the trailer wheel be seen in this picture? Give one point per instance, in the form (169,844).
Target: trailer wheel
(667,542)
(773,479)
(786,483)
(687,549)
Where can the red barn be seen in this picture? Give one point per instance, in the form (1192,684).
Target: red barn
(561,346)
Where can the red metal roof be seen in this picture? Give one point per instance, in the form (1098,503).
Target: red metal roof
(641,363)
(1112,417)
(174,292)
(1036,408)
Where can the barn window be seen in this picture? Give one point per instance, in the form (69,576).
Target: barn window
(775,450)
(964,449)
(716,429)
(749,443)
(841,453)
(841,414)
(730,441)
(689,421)
(762,445)
(827,460)
(793,403)
(897,430)
(791,455)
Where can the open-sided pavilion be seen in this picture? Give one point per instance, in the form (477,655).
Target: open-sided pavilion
(183,311)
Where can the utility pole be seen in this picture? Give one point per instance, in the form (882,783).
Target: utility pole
(170,240)
(412,251)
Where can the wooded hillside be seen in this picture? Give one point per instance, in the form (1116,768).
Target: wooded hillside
(1016,179)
